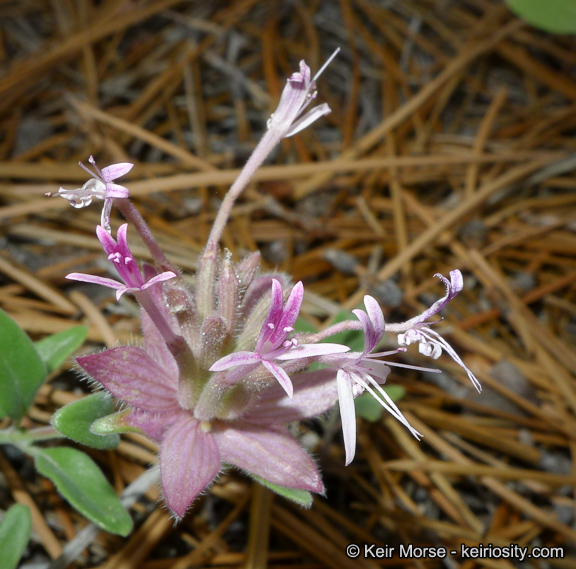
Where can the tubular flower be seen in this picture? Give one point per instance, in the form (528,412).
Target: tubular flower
(361,371)
(119,253)
(101,186)
(430,343)
(296,96)
(273,345)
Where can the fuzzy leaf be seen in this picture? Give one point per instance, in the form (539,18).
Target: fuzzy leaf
(14,535)
(80,481)
(22,371)
(75,421)
(56,348)
(301,497)
(369,409)
(554,16)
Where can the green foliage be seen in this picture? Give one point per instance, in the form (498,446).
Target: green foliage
(354,339)
(554,16)
(56,348)
(80,481)
(14,535)
(369,409)
(74,421)
(22,370)
(301,497)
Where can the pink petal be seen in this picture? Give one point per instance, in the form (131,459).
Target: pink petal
(153,425)
(122,238)
(189,461)
(271,453)
(289,313)
(116,191)
(315,393)
(159,278)
(132,376)
(347,414)
(110,283)
(274,315)
(281,376)
(308,118)
(375,314)
(235,359)
(106,240)
(311,350)
(116,171)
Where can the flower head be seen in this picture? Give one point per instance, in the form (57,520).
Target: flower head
(296,96)
(101,186)
(119,253)
(252,432)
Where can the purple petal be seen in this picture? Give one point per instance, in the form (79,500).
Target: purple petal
(307,119)
(122,238)
(116,191)
(106,240)
(274,315)
(189,461)
(158,351)
(132,376)
(152,425)
(347,413)
(257,289)
(453,287)
(281,376)
(289,313)
(311,350)
(159,278)
(235,359)
(315,393)
(110,283)
(375,314)
(116,171)
(271,453)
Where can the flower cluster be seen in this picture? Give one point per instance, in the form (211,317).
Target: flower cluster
(222,371)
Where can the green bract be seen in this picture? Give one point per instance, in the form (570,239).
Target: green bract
(301,497)
(80,481)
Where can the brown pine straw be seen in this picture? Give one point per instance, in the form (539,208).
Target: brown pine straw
(450,145)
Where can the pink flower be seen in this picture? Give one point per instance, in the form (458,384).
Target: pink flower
(101,187)
(273,345)
(119,253)
(193,451)
(359,372)
(296,96)
(430,343)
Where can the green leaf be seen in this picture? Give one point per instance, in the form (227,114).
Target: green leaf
(555,16)
(369,409)
(56,348)
(80,481)
(303,325)
(14,535)
(22,371)
(75,421)
(301,497)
